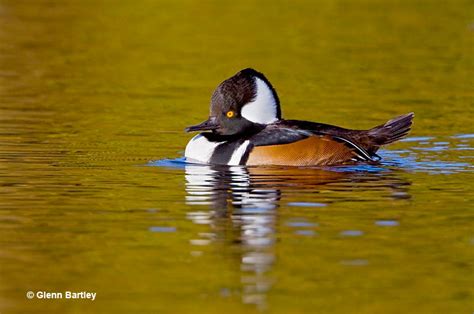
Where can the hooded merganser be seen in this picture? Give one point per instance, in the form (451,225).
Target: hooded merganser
(246,128)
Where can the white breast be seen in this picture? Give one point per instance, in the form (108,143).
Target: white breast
(200,149)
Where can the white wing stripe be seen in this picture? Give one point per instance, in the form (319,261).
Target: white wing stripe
(238,154)
(365,156)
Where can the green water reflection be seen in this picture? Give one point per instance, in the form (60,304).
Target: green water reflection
(92,91)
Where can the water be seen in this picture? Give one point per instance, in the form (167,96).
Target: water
(95,196)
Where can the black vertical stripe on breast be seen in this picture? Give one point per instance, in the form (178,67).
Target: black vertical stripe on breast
(223,153)
(246,154)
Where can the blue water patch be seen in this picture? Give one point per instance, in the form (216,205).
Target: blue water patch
(417,139)
(252,210)
(369,168)
(428,163)
(463,136)
(162,229)
(387,223)
(351,233)
(306,204)
(302,224)
(179,163)
(305,232)
(355,262)
(431,149)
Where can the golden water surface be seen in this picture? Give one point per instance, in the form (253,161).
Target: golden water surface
(94,194)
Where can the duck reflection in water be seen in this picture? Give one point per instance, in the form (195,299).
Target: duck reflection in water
(248,197)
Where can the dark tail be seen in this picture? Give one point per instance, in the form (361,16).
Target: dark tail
(391,131)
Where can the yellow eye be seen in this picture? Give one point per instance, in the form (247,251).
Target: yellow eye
(230,114)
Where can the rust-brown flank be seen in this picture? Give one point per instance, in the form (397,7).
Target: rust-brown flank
(312,151)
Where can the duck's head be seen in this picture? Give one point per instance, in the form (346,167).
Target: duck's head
(241,103)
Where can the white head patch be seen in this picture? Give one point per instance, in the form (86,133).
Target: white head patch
(263,109)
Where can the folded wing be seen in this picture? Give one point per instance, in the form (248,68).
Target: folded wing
(293,147)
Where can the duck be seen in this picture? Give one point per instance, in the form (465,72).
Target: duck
(245,128)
